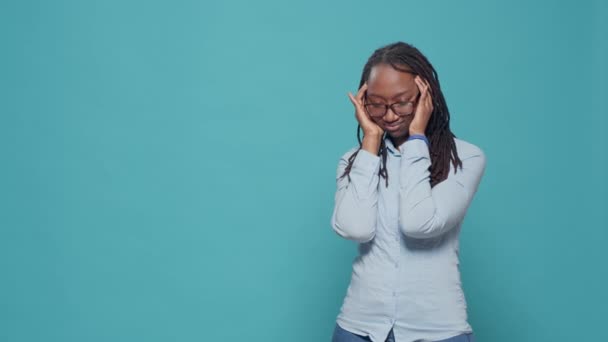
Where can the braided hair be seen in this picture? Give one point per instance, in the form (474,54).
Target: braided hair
(406,58)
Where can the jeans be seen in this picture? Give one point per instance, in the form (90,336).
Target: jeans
(341,335)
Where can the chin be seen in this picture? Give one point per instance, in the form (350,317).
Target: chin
(397,134)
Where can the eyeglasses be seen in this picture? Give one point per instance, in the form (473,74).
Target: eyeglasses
(401,108)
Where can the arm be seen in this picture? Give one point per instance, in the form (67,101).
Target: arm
(356,201)
(426,212)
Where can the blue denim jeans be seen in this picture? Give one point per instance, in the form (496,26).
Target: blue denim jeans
(341,335)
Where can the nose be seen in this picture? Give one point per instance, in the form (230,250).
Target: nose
(390,116)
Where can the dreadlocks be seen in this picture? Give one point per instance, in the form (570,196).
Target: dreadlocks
(405,57)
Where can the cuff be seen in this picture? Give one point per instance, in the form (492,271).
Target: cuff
(414,148)
(366,163)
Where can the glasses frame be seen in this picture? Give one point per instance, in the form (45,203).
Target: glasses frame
(387,106)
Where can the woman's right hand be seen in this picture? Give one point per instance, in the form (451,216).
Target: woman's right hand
(369,127)
(372,133)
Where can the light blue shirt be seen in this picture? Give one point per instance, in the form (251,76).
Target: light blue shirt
(407,274)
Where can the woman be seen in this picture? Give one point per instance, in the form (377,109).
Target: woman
(402,194)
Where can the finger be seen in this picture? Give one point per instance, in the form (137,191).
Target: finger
(429,102)
(353,100)
(427,92)
(427,85)
(362,91)
(419,84)
(425,101)
(430,95)
(423,83)
(422,88)
(360,113)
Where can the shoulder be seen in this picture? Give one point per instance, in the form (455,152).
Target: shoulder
(472,156)
(468,150)
(349,153)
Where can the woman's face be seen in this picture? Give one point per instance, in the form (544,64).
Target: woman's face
(388,85)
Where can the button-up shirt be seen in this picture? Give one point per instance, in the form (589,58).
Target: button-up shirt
(406,275)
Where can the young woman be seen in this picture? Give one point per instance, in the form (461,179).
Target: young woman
(402,194)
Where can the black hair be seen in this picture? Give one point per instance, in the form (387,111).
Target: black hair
(406,58)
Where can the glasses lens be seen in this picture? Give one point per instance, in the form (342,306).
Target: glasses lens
(403,108)
(375,109)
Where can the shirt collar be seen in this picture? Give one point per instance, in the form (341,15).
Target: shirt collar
(391,148)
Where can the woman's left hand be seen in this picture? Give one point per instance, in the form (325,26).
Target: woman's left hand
(424,108)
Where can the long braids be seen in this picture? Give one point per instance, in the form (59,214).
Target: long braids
(442,145)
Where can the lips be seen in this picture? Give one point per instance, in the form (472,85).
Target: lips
(393,127)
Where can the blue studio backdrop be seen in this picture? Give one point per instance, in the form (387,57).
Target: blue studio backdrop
(168,167)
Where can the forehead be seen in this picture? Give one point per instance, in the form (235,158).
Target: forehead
(385,81)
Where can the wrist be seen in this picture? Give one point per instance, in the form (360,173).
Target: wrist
(371,143)
(417,132)
(417,136)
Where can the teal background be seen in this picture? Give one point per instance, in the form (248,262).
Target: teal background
(167,168)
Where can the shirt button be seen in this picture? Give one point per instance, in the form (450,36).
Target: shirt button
(394,294)
(396,265)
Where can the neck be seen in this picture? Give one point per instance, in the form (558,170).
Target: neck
(400,140)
